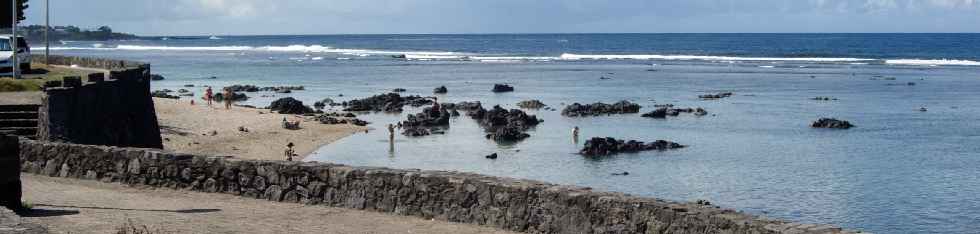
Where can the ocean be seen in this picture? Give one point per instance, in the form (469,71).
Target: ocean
(901,170)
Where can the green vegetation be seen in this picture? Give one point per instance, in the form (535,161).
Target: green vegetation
(27,205)
(33,80)
(35,33)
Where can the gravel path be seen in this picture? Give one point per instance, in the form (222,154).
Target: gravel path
(103,208)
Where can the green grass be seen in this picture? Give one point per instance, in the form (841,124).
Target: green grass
(27,205)
(40,73)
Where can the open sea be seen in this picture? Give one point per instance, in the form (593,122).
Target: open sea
(901,170)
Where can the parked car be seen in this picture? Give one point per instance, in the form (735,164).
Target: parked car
(6,55)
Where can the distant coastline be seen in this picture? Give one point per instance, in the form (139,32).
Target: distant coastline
(35,33)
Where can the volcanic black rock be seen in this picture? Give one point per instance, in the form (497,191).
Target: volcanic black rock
(609,146)
(440,90)
(831,123)
(501,88)
(595,109)
(531,104)
(290,105)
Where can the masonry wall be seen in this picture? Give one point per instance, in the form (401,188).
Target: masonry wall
(512,204)
(117,110)
(10,187)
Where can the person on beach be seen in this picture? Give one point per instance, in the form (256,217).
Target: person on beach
(228,95)
(208,95)
(290,152)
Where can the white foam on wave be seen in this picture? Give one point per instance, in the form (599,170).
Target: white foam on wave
(705,58)
(285,49)
(932,62)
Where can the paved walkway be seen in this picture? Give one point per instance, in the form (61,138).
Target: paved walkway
(81,206)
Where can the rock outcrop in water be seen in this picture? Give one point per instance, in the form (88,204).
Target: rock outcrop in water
(330,119)
(531,104)
(596,109)
(831,123)
(609,146)
(391,102)
(235,97)
(429,117)
(323,103)
(502,88)
(440,90)
(156,77)
(163,94)
(716,96)
(290,105)
(504,125)
(253,88)
(663,112)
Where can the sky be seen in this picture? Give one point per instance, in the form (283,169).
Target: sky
(268,17)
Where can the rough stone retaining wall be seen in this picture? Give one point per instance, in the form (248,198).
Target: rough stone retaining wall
(116,110)
(512,204)
(10,186)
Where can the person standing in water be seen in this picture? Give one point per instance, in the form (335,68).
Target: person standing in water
(208,95)
(228,95)
(391,132)
(290,152)
(575,131)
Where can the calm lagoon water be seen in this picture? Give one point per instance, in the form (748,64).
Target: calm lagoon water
(899,171)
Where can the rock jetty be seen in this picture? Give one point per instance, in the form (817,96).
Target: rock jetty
(716,96)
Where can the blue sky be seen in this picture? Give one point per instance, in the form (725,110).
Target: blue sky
(249,17)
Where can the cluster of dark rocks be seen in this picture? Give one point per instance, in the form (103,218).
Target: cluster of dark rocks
(531,104)
(391,102)
(502,88)
(184,93)
(440,90)
(290,105)
(429,121)
(156,77)
(163,94)
(609,146)
(716,96)
(399,90)
(503,125)
(324,103)
(596,109)
(824,99)
(235,97)
(463,106)
(334,120)
(663,112)
(253,88)
(832,123)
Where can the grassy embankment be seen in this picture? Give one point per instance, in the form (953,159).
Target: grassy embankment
(40,73)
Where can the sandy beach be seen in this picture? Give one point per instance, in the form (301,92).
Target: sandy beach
(200,129)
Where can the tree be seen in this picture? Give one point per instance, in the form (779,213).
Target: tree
(5,12)
(105,29)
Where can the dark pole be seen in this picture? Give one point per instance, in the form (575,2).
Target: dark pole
(47,28)
(13,38)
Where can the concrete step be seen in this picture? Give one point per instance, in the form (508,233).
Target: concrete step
(19,131)
(4,123)
(18,108)
(18,115)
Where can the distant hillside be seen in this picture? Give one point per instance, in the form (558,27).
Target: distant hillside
(35,33)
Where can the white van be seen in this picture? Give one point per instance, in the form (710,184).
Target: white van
(6,55)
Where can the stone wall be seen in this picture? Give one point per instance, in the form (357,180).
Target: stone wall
(116,110)
(10,187)
(512,204)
